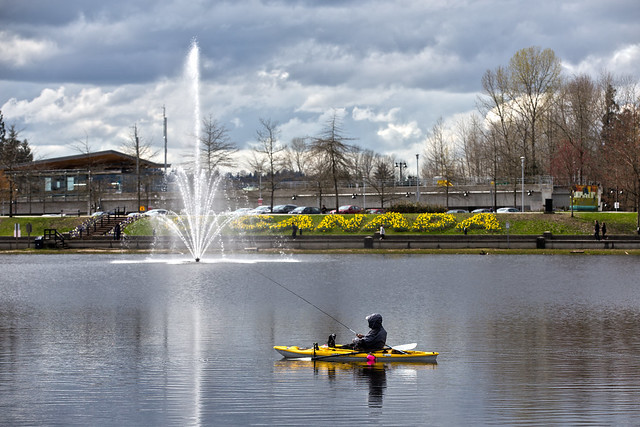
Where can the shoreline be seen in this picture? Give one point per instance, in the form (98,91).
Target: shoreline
(274,251)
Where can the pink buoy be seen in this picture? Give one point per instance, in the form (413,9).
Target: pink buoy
(371,358)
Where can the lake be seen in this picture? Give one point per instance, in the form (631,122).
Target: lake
(158,340)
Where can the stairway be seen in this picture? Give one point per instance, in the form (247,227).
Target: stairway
(102,225)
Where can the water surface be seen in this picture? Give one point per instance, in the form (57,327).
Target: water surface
(137,340)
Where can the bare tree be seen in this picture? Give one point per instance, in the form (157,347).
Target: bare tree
(576,116)
(440,158)
(140,150)
(332,148)
(217,148)
(12,153)
(621,149)
(298,155)
(534,78)
(469,132)
(382,177)
(271,151)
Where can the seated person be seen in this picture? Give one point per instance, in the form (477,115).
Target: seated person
(375,339)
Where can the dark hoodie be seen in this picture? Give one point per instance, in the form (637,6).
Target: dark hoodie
(376,338)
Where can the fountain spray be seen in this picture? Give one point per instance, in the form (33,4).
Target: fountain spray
(197,224)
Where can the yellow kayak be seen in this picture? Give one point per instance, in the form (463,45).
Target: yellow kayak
(335,354)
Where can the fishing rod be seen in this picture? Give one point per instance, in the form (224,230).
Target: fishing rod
(303,299)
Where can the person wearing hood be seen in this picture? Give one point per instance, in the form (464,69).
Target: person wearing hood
(375,339)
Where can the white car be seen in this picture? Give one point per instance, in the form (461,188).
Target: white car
(242,211)
(260,210)
(507,210)
(154,212)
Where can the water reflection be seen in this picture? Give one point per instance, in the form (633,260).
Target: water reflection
(356,375)
(85,340)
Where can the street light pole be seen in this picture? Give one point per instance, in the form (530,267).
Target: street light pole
(417,178)
(401,165)
(522,162)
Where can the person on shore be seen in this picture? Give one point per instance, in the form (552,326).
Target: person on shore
(382,232)
(604,231)
(375,339)
(596,230)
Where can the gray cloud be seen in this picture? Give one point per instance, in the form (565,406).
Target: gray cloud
(73,67)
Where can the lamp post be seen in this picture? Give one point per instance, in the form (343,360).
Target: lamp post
(401,165)
(417,178)
(522,163)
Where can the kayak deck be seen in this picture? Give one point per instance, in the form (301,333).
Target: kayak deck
(335,354)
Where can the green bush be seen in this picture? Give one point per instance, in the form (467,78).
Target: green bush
(416,208)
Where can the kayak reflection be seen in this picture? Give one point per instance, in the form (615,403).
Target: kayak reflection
(373,375)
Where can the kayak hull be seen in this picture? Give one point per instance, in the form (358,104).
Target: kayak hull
(331,354)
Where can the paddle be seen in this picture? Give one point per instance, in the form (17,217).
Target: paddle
(401,348)
(351,353)
(404,347)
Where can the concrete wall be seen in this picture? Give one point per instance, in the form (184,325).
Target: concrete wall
(468,197)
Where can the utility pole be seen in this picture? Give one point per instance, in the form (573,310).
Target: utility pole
(522,191)
(137,141)
(417,178)
(164,118)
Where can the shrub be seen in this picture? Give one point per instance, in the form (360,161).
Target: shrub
(416,208)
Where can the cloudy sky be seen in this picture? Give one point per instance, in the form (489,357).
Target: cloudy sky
(82,70)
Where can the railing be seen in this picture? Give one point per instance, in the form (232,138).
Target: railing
(53,234)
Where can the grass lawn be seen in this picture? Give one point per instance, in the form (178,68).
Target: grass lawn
(520,224)
(38,224)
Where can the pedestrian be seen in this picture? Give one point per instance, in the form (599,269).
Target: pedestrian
(381,232)
(604,231)
(116,232)
(294,229)
(596,230)
(324,209)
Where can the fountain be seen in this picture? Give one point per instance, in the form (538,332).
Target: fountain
(197,224)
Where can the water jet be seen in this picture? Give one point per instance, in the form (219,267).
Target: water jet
(197,224)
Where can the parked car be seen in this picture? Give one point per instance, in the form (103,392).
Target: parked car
(349,209)
(260,210)
(375,211)
(306,210)
(482,210)
(283,209)
(156,212)
(242,211)
(455,211)
(508,210)
(134,214)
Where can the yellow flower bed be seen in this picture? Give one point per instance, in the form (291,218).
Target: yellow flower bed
(252,223)
(433,222)
(391,220)
(329,222)
(303,222)
(353,224)
(487,221)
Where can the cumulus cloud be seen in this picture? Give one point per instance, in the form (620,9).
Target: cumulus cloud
(391,68)
(397,132)
(19,52)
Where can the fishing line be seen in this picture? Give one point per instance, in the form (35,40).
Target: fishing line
(303,299)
